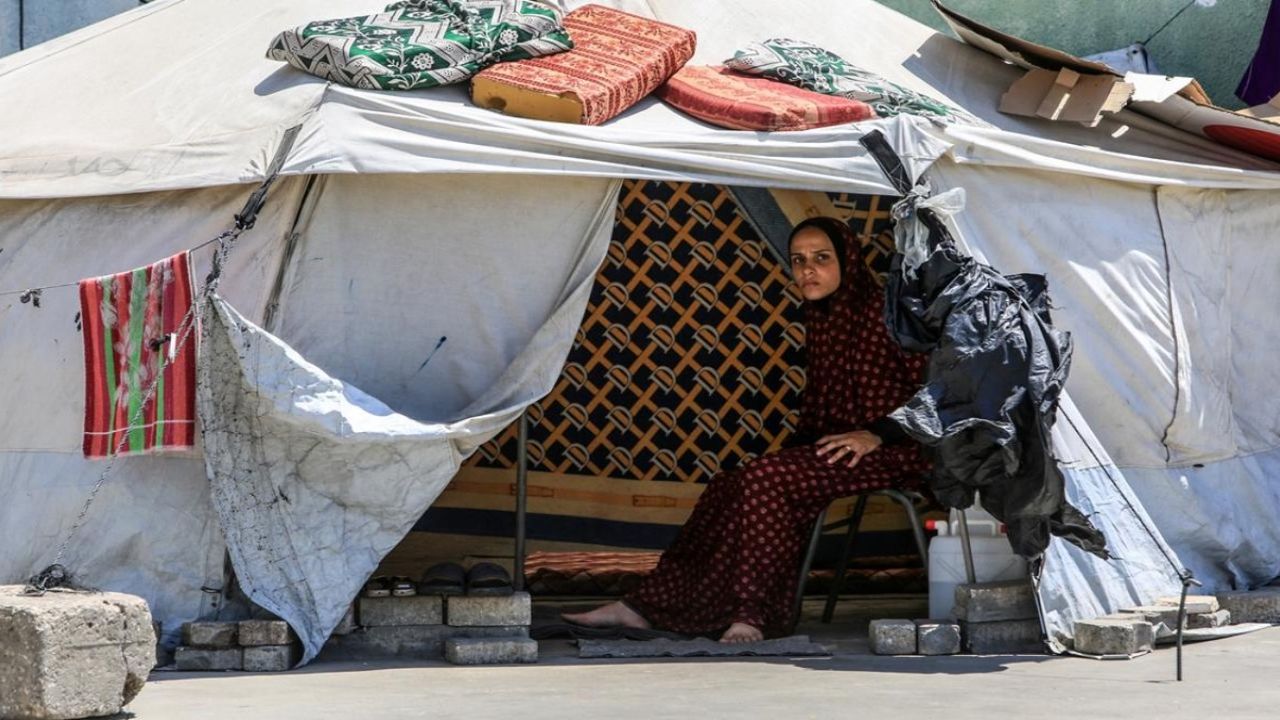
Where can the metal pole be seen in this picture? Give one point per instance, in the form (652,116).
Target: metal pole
(522,496)
(967,548)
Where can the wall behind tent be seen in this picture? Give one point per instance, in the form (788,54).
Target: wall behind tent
(689,360)
(24,23)
(1212,44)
(151,530)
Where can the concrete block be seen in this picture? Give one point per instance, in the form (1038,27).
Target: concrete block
(1262,605)
(210,634)
(490,651)
(348,622)
(1113,637)
(995,601)
(1209,620)
(72,655)
(937,637)
(264,632)
(1002,637)
(409,641)
(271,658)
(199,659)
(391,611)
(1195,603)
(893,637)
(1154,614)
(468,611)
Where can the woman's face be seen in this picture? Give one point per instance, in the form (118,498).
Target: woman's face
(814,264)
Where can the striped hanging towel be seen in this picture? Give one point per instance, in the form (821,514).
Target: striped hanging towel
(133,323)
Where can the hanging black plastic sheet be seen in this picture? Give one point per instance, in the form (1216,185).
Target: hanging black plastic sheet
(996,369)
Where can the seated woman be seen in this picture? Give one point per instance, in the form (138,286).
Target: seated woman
(733,567)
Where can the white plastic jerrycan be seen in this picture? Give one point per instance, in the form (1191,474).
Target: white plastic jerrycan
(993,558)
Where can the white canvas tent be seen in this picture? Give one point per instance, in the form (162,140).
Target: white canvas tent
(401,218)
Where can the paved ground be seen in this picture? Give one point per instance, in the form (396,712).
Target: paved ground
(1233,678)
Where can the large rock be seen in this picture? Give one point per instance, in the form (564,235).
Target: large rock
(892,636)
(1253,606)
(70,654)
(1114,636)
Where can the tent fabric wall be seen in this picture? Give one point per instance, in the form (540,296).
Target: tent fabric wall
(151,529)
(1168,292)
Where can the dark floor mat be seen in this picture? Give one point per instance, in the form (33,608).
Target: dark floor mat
(543,631)
(794,646)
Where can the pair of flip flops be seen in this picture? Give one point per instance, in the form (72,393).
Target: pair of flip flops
(483,579)
(393,586)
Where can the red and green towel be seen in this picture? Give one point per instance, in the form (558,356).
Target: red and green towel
(133,323)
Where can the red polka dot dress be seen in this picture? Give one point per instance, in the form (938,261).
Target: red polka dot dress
(738,556)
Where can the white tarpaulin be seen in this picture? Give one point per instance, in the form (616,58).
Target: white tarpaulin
(315,481)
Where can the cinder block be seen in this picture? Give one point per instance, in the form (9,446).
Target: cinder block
(264,632)
(348,622)
(210,634)
(893,637)
(1254,606)
(392,611)
(409,641)
(271,658)
(1002,637)
(1154,614)
(995,601)
(72,655)
(1113,637)
(490,651)
(1196,604)
(1209,620)
(469,611)
(937,637)
(193,658)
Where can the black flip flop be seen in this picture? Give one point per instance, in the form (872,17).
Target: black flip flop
(377,588)
(488,579)
(446,578)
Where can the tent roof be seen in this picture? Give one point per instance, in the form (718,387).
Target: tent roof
(178,94)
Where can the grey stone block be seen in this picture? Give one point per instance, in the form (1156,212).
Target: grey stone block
(1002,637)
(937,637)
(264,632)
(409,641)
(271,658)
(348,622)
(470,611)
(490,651)
(72,655)
(412,610)
(1195,603)
(893,637)
(1154,614)
(1209,620)
(200,659)
(1262,605)
(1113,637)
(995,601)
(210,634)
(792,646)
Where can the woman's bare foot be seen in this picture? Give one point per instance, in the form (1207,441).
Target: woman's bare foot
(741,633)
(611,615)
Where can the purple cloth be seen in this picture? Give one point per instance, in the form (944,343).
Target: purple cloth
(1261,81)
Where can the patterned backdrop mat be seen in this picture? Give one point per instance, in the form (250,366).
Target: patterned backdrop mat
(690,357)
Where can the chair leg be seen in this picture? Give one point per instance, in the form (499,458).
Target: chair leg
(806,566)
(917,530)
(837,582)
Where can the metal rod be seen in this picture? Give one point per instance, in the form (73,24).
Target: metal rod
(967,548)
(522,496)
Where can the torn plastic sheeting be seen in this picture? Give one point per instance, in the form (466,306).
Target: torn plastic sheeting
(996,369)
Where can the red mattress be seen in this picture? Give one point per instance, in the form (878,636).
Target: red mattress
(722,97)
(617,59)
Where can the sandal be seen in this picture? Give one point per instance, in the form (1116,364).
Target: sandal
(446,578)
(403,587)
(489,579)
(377,588)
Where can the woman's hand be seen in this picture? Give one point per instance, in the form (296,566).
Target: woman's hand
(851,445)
